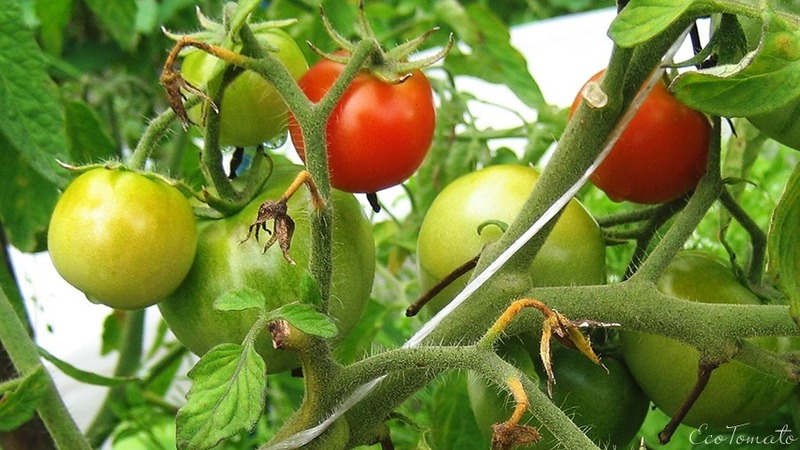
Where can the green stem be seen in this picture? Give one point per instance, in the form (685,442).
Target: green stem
(758,238)
(211,156)
(661,216)
(25,356)
(129,362)
(707,192)
(157,130)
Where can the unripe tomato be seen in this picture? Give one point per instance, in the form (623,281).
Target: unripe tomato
(252,112)
(574,252)
(608,405)
(378,134)
(660,156)
(667,369)
(124,239)
(223,265)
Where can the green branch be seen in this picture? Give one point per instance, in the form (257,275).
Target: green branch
(25,356)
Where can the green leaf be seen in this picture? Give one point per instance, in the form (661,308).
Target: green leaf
(113,333)
(118,19)
(641,20)
(86,135)
(83,375)
(245,298)
(782,248)
(306,319)
(17,406)
(31,116)
(727,90)
(227,396)
(492,57)
(53,18)
(26,200)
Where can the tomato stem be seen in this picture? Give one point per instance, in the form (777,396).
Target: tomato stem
(703,375)
(22,350)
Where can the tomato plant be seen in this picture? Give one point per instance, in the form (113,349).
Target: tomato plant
(667,369)
(660,156)
(378,134)
(609,405)
(125,239)
(468,214)
(224,265)
(252,112)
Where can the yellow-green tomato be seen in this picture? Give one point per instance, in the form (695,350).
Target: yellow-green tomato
(252,111)
(224,265)
(126,240)
(452,232)
(667,369)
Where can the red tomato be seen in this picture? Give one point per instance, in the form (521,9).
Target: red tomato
(378,134)
(660,156)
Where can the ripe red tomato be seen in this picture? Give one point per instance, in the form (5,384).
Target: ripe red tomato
(660,156)
(378,134)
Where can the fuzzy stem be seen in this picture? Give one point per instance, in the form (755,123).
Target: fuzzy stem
(155,131)
(22,350)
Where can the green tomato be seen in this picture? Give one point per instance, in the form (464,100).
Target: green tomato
(609,405)
(574,253)
(252,111)
(223,264)
(126,240)
(667,369)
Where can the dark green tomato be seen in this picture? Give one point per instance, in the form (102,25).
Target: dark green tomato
(124,239)
(252,111)
(609,405)
(223,264)
(667,369)
(574,252)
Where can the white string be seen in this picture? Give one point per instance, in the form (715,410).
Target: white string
(304,437)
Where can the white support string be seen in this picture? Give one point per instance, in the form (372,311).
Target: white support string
(299,439)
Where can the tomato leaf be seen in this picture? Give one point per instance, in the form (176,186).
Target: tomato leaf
(87,138)
(53,18)
(19,399)
(26,199)
(31,116)
(492,57)
(113,333)
(782,248)
(642,20)
(306,319)
(118,18)
(83,375)
(727,90)
(241,299)
(227,396)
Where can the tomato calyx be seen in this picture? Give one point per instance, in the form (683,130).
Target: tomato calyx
(389,66)
(277,211)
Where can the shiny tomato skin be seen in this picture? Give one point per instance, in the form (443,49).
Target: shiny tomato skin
(667,369)
(574,252)
(661,155)
(252,111)
(223,265)
(378,133)
(126,240)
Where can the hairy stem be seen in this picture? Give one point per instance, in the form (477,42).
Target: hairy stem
(22,350)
